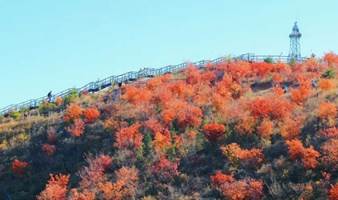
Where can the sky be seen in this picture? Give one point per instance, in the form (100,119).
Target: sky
(55,45)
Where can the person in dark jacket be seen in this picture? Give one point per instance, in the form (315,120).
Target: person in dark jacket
(49,96)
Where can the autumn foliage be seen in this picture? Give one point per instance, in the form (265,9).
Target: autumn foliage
(91,114)
(333,193)
(213,131)
(73,112)
(19,167)
(129,137)
(308,156)
(237,189)
(226,130)
(56,188)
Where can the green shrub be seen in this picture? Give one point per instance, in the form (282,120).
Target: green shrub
(268,60)
(46,107)
(71,97)
(15,115)
(330,73)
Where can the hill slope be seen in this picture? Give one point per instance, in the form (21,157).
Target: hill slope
(235,130)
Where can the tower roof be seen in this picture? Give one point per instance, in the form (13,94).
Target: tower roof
(295,31)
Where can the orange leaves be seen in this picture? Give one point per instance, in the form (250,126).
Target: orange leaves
(266,128)
(252,157)
(213,131)
(193,75)
(295,148)
(165,169)
(186,114)
(73,112)
(240,69)
(91,114)
(277,78)
(331,59)
(262,68)
(308,156)
(58,101)
(261,107)
(161,141)
(333,193)
(136,95)
(329,132)
(124,187)
(77,128)
(93,174)
(330,153)
(275,108)
(290,128)
(300,94)
(48,149)
(19,167)
(219,178)
(56,188)
(327,110)
(237,189)
(129,137)
(326,84)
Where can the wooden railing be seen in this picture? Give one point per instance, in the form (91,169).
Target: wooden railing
(132,76)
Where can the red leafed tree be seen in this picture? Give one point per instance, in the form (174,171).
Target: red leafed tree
(290,128)
(278,91)
(260,107)
(300,95)
(125,186)
(164,169)
(136,95)
(48,149)
(265,129)
(219,178)
(162,141)
(331,59)
(77,128)
(91,114)
(73,112)
(193,75)
(154,125)
(213,131)
(333,192)
(240,70)
(277,78)
(329,132)
(330,154)
(56,188)
(250,157)
(83,195)
(296,148)
(190,116)
(326,84)
(308,156)
(237,189)
(262,69)
(245,125)
(93,174)
(129,137)
(327,110)
(19,167)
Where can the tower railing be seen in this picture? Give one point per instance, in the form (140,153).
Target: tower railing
(135,75)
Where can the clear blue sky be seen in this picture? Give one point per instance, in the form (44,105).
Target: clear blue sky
(54,45)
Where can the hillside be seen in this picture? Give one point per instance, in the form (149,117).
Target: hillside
(234,130)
